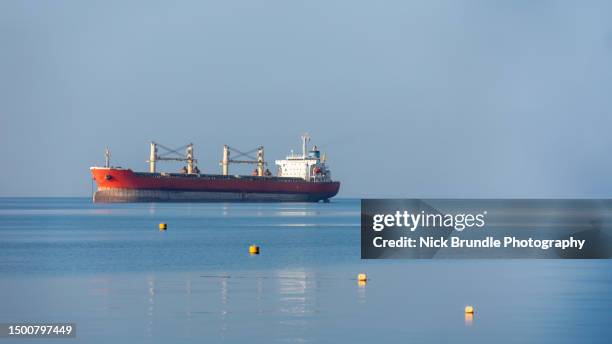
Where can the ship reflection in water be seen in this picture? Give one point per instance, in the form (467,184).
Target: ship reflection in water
(215,307)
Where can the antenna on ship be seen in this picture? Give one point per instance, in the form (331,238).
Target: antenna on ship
(305,140)
(107,156)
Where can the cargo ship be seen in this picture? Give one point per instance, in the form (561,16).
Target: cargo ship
(299,178)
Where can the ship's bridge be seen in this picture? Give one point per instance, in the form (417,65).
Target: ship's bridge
(308,166)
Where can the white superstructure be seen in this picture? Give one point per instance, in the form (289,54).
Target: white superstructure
(308,166)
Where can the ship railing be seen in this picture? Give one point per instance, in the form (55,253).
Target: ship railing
(218,176)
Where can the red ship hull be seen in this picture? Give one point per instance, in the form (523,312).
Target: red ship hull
(125,185)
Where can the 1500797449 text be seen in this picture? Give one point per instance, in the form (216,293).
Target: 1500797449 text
(30,330)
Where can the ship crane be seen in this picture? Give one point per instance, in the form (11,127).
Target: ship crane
(172,155)
(259,159)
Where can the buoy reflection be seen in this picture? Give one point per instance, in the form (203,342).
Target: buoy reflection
(469,319)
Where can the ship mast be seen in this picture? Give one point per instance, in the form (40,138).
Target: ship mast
(190,158)
(153,157)
(107,156)
(260,161)
(225,162)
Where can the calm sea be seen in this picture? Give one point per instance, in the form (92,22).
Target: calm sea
(107,268)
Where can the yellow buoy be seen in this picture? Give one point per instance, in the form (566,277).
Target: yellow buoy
(254,249)
(361,283)
(362,277)
(163,226)
(469,309)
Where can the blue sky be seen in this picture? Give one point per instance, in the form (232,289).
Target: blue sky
(408,99)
